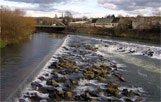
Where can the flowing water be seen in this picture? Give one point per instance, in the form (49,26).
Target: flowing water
(140,62)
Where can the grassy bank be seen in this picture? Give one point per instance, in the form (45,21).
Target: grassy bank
(2,44)
(144,34)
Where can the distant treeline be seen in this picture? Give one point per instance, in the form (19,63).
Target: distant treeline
(144,34)
(15,27)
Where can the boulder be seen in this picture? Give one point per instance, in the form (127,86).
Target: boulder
(69,95)
(54,83)
(35,85)
(90,74)
(113,89)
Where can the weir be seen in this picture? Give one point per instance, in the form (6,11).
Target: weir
(33,74)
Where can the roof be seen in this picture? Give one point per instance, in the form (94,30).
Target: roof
(94,20)
(104,20)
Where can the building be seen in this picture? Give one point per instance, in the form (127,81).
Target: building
(77,23)
(107,22)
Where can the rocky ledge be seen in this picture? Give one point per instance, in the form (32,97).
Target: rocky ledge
(77,73)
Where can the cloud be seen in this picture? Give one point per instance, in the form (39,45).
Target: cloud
(130,5)
(44,5)
(39,1)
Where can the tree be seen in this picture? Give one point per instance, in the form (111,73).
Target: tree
(15,27)
(67,17)
(84,18)
(68,14)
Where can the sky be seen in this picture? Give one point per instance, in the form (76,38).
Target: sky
(80,8)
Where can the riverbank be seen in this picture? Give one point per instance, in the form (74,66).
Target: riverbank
(144,34)
(78,72)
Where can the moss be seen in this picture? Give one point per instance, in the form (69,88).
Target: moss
(54,83)
(100,78)
(103,66)
(68,65)
(113,89)
(90,74)
(95,66)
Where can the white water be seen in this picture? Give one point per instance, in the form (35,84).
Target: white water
(129,57)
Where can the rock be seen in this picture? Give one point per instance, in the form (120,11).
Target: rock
(127,93)
(46,74)
(68,83)
(44,100)
(139,99)
(41,78)
(54,83)
(76,70)
(22,100)
(49,82)
(35,97)
(35,85)
(77,98)
(103,66)
(88,47)
(61,94)
(69,65)
(74,82)
(128,100)
(95,66)
(53,65)
(94,100)
(69,95)
(100,78)
(138,94)
(51,89)
(43,90)
(87,95)
(131,93)
(63,79)
(113,89)
(75,46)
(104,73)
(53,95)
(90,74)
(65,48)
(121,78)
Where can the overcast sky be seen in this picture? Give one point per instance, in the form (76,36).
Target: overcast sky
(79,8)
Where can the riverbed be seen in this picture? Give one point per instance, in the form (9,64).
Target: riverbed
(138,62)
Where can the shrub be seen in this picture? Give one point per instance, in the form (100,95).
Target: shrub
(15,27)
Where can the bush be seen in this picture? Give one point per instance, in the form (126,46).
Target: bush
(15,27)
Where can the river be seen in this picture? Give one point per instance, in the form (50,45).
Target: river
(140,69)
(18,61)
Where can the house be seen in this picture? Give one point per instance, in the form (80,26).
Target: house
(107,22)
(77,23)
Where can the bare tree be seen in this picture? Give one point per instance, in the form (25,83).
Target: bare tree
(68,14)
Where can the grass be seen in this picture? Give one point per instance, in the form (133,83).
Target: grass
(2,44)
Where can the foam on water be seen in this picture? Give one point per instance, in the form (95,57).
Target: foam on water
(127,58)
